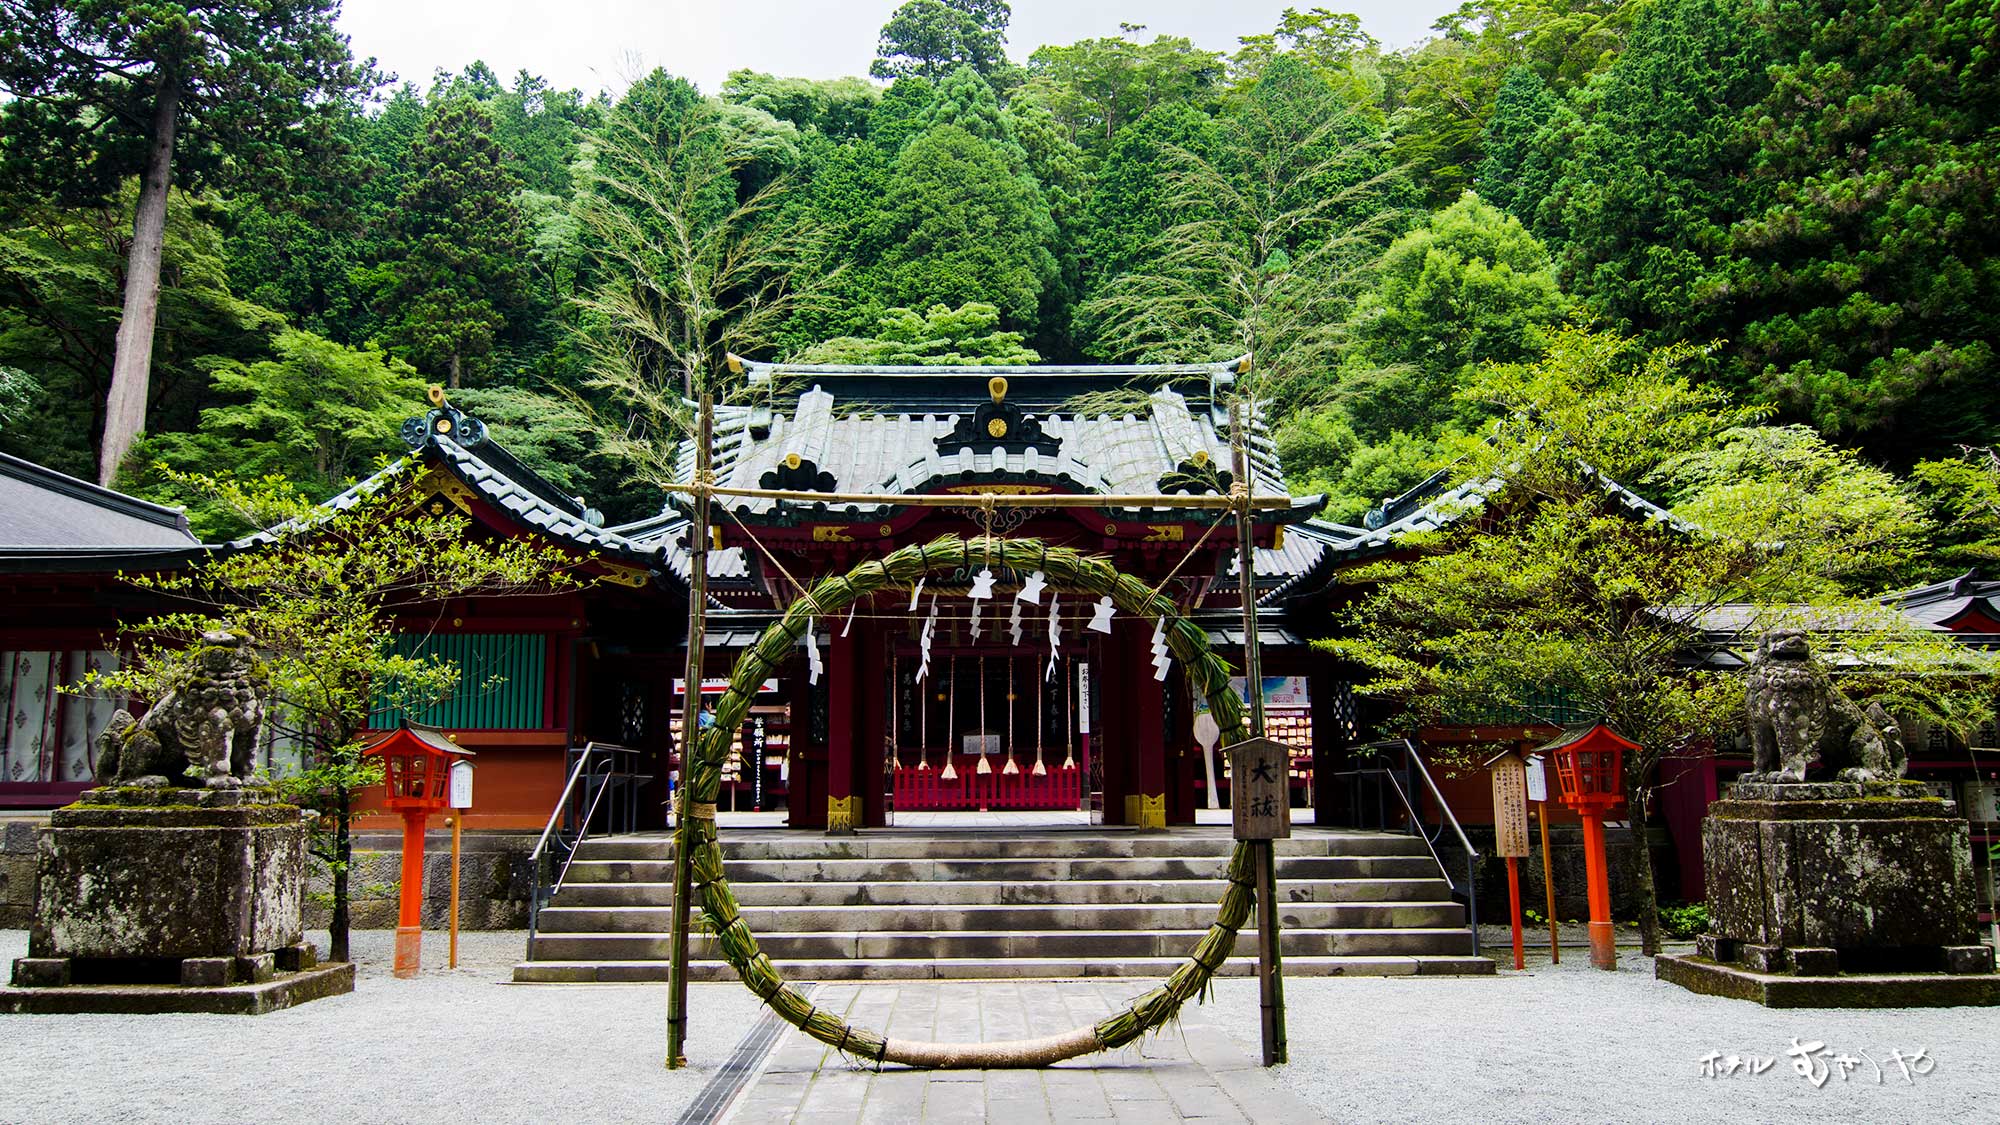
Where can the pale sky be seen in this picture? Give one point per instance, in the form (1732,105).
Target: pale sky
(593,44)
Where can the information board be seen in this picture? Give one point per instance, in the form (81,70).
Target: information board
(1510,806)
(1260,806)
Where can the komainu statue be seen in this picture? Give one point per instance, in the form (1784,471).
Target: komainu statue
(1797,715)
(203,731)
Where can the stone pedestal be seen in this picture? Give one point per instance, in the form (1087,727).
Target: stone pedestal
(1837,881)
(197,889)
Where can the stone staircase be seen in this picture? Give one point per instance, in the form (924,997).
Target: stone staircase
(963,904)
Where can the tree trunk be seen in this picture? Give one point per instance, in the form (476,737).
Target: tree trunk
(454,371)
(1649,896)
(132,366)
(343,853)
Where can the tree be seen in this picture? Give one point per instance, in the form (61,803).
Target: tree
(213,89)
(1556,594)
(930,38)
(1095,87)
(1963,495)
(315,414)
(682,273)
(967,335)
(1331,43)
(1136,197)
(837,107)
(17,391)
(963,221)
(321,600)
(463,245)
(1507,177)
(1471,286)
(1858,290)
(1269,239)
(60,270)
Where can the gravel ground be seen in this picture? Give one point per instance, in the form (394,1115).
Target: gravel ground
(450,1046)
(1570,1043)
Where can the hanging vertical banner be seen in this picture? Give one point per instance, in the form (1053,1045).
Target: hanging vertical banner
(1083,698)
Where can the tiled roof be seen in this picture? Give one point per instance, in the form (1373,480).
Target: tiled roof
(44,511)
(1431,506)
(1164,415)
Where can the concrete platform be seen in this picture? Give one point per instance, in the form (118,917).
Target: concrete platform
(286,990)
(1847,990)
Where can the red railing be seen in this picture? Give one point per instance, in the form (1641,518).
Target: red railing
(920,789)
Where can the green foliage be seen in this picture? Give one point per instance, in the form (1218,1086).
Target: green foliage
(1096,87)
(968,334)
(316,414)
(17,391)
(320,601)
(1684,921)
(962,221)
(931,38)
(1270,237)
(964,99)
(836,107)
(1963,496)
(1471,286)
(463,244)
(1331,43)
(1509,178)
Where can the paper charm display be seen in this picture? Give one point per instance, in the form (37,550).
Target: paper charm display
(924,644)
(916,594)
(1014,623)
(982,585)
(1055,635)
(1031,590)
(1100,615)
(850,618)
(975,621)
(813,665)
(1161,660)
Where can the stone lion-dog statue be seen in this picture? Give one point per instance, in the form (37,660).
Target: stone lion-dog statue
(1797,715)
(201,732)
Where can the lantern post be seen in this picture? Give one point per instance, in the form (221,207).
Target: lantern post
(1590,770)
(416,768)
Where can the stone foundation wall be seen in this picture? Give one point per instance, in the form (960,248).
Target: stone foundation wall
(495,881)
(17,869)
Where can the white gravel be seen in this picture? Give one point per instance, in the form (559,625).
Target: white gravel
(1570,1043)
(449,1046)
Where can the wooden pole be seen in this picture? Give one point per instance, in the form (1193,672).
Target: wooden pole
(1270,955)
(1514,900)
(456,828)
(1549,885)
(690,734)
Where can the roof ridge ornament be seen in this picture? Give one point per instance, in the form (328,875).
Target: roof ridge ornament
(443,420)
(998,424)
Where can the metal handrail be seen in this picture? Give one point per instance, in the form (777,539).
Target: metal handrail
(537,899)
(1414,764)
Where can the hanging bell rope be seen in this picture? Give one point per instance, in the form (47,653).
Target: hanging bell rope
(984,766)
(950,770)
(1010,768)
(1041,725)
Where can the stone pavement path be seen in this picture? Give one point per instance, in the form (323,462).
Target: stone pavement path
(1192,1072)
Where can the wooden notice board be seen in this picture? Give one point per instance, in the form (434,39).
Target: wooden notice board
(1510,804)
(1260,804)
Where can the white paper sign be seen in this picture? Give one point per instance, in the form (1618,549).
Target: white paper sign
(1083,698)
(1538,782)
(461,785)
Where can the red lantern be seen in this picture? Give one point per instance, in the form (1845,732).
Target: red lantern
(416,772)
(1590,763)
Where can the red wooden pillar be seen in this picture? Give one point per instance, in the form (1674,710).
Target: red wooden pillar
(843,806)
(1143,714)
(871,748)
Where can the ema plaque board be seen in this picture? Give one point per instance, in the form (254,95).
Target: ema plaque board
(1260,803)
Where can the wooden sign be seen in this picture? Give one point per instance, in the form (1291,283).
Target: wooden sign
(1260,800)
(461,785)
(1538,778)
(1510,805)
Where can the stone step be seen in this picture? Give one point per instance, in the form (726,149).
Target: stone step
(585,972)
(1075,944)
(906,918)
(972,845)
(1136,869)
(981,892)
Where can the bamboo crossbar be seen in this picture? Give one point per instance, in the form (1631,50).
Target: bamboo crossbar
(994,499)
